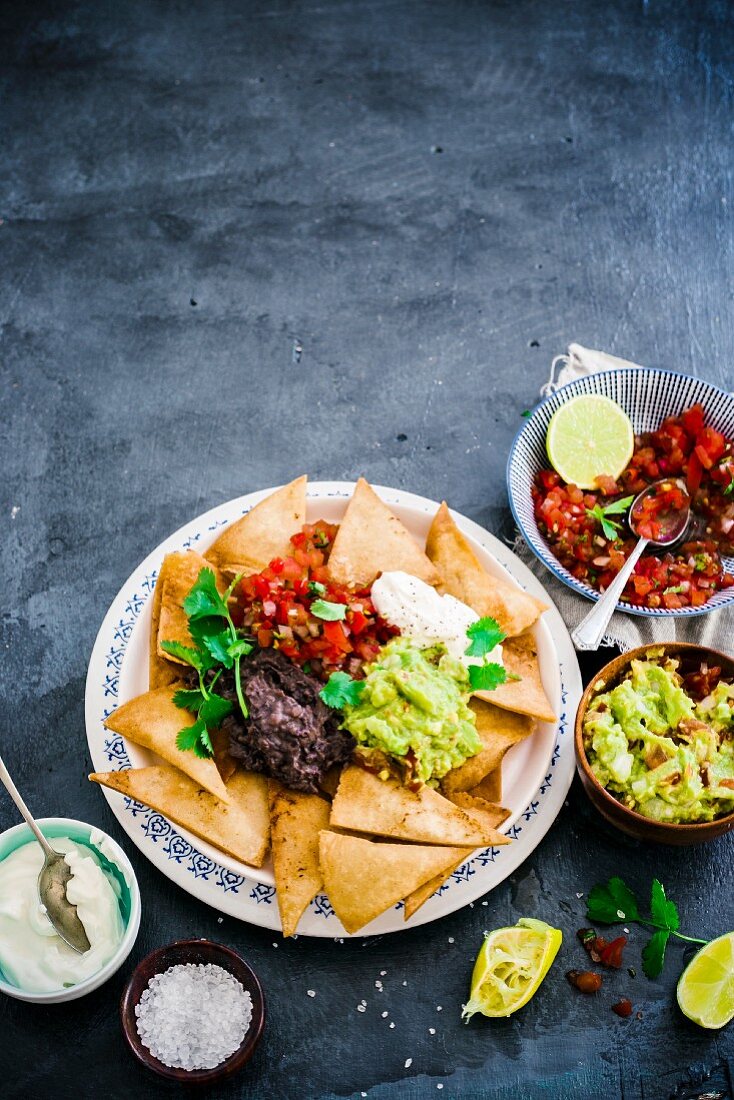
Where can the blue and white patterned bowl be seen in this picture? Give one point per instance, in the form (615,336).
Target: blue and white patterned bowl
(647,396)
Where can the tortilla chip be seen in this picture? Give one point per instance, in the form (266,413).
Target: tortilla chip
(173,794)
(248,792)
(465,578)
(526,695)
(371,540)
(153,721)
(226,764)
(248,545)
(296,820)
(365,803)
(330,782)
(180,571)
(499,731)
(161,671)
(364,878)
(490,788)
(420,896)
(488,814)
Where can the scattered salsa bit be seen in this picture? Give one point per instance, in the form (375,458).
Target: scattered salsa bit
(586,535)
(623,1008)
(608,954)
(660,749)
(294,607)
(586,981)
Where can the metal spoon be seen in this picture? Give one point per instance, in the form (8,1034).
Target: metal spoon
(590,631)
(53,878)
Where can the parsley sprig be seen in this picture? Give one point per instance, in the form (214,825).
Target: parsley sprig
(610,527)
(611,902)
(217,645)
(484,635)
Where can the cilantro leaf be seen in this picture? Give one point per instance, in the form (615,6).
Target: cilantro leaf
(662,910)
(601,513)
(611,902)
(315,588)
(526,414)
(204,598)
(240,648)
(329,612)
(484,635)
(218,645)
(198,659)
(486,677)
(195,738)
(341,691)
(214,710)
(189,700)
(617,507)
(653,953)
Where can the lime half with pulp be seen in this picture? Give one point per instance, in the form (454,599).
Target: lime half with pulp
(589,436)
(510,966)
(706,986)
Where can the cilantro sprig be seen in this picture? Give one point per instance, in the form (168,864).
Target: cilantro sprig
(340,691)
(328,611)
(610,527)
(485,635)
(611,902)
(217,645)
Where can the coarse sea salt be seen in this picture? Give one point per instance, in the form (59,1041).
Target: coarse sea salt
(193,1015)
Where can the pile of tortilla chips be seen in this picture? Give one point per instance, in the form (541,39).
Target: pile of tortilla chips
(368,843)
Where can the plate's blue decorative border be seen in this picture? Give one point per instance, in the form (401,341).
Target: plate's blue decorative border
(160,831)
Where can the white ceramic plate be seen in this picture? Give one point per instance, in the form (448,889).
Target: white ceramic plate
(536,773)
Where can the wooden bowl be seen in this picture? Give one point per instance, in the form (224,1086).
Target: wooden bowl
(630,822)
(192,951)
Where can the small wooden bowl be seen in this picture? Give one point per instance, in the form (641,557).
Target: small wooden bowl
(192,951)
(630,822)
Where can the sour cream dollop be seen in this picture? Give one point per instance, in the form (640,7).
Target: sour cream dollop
(32,955)
(419,612)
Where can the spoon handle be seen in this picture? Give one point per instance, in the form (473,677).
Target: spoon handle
(25,812)
(590,631)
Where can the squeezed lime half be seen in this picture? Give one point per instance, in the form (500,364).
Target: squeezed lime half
(510,966)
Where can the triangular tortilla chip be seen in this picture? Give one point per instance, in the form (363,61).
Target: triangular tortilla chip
(171,793)
(365,803)
(152,721)
(363,878)
(296,819)
(180,572)
(420,896)
(499,731)
(371,540)
(248,792)
(490,788)
(161,671)
(248,545)
(465,578)
(526,695)
(488,814)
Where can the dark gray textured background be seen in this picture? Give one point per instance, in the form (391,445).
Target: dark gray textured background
(430,199)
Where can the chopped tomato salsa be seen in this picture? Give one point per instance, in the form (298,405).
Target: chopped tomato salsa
(276,608)
(685,448)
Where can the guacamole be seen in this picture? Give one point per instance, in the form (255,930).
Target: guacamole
(413,709)
(662,753)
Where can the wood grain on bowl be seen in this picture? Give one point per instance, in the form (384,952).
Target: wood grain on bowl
(628,821)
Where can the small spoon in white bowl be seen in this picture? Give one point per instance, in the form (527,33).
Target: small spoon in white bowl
(673,526)
(53,878)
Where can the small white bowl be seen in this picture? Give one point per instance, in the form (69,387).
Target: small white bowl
(86,834)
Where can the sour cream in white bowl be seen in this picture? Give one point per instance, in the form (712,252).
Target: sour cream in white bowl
(35,964)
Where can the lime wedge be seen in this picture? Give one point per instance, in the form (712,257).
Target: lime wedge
(510,966)
(589,436)
(706,986)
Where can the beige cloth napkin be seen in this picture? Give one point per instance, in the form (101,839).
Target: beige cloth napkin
(715,629)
